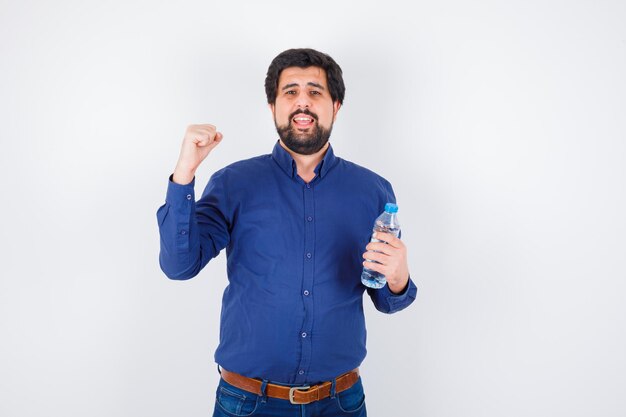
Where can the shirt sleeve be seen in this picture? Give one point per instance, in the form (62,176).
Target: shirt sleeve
(191,233)
(388,302)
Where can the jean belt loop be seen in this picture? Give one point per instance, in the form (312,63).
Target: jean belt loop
(263,393)
(333,388)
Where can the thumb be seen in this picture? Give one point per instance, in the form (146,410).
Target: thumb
(216,140)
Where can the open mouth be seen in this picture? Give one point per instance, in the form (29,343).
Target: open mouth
(303,121)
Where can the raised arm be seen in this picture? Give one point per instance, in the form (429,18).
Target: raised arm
(190,237)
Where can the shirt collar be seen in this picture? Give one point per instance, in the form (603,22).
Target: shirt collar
(287,164)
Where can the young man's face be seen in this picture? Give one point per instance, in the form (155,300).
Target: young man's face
(304,111)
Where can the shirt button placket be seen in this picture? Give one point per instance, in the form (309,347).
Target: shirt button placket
(307,282)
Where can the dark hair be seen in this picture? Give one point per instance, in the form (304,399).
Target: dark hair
(304,58)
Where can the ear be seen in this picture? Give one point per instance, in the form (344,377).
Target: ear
(336,107)
(272,109)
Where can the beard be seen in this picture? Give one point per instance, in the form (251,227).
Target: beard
(303,143)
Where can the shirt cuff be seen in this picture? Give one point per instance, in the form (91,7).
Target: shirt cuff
(397,300)
(178,193)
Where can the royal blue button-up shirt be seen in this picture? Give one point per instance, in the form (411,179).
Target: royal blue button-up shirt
(293,308)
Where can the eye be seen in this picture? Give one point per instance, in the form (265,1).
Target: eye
(315,93)
(292,92)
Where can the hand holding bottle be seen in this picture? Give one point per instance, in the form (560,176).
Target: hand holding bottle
(385,259)
(391,255)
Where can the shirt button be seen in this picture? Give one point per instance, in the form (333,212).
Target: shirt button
(300,372)
(183,232)
(310,218)
(306,292)
(308,186)
(303,334)
(188,196)
(308,255)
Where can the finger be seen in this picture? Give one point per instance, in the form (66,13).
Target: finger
(216,140)
(378,257)
(202,140)
(381,247)
(388,238)
(211,139)
(374,267)
(202,130)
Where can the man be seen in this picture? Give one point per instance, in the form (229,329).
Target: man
(295,224)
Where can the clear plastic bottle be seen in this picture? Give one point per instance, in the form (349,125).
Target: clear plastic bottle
(387,222)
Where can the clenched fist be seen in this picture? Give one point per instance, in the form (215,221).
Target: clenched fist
(198,142)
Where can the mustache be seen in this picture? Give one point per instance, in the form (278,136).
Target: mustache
(304,111)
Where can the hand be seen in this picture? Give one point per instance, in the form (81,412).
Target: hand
(198,142)
(393,261)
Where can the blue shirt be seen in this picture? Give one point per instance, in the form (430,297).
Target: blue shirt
(293,309)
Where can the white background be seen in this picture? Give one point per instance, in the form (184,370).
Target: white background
(500,124)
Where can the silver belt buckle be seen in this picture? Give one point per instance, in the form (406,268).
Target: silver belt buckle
(293,390)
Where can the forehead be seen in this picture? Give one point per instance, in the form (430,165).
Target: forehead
(302,76)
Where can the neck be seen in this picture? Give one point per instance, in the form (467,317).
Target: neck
(305,164)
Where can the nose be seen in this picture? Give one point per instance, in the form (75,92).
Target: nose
(303,101)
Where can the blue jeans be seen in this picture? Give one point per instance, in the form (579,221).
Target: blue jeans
(234,402)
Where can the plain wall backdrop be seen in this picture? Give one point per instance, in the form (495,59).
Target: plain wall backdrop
(501,125)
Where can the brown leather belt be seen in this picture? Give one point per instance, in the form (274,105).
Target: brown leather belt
(296,395)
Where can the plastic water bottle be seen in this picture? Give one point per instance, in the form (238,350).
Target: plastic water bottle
(387,222)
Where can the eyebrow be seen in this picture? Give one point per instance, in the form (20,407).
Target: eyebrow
(312,84)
